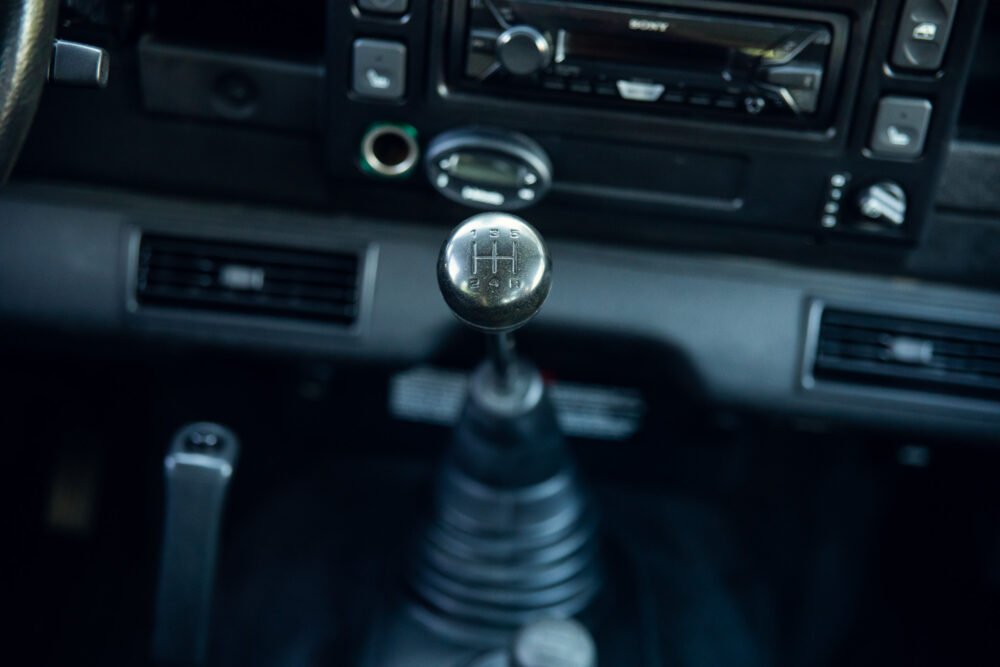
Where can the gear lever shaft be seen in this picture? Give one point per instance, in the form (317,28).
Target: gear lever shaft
(513,535)
(495,272)
(512,538)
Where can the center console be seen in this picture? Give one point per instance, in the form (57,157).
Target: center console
(827,118)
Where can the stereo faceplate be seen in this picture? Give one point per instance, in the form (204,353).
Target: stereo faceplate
(755,66)
(692,173)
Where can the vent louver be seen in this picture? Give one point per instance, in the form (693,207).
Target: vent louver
(248,279)
(908,354)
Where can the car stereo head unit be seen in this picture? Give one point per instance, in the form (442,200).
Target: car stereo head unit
(761,63)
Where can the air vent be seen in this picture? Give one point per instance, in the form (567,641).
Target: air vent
(248,279)
(908,354)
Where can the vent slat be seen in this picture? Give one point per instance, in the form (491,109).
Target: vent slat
(275,272)
(908,354)
(212,284)
(248,279)
(901,326)
(904,377)
(237,252)
(969,362)
(275,278)
(259,303)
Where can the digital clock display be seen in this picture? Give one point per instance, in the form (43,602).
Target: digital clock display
(485,169)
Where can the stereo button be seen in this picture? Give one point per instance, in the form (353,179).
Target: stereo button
(639,91)
(483,41)
(799,85)
(807,77)
(606,89)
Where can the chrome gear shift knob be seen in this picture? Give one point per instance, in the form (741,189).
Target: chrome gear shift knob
(495,272)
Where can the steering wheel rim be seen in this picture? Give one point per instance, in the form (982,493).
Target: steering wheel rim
(27,28)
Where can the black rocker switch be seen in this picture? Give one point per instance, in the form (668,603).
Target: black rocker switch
(924,29)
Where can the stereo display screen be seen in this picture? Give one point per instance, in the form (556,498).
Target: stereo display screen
(661,51)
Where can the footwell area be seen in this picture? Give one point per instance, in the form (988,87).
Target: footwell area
(736,578)
(745,544)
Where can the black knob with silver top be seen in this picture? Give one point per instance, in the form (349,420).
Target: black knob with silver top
(883,203)
(514,535)
(523,50)
(495,272)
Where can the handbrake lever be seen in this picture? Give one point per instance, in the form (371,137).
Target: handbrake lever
(198,467)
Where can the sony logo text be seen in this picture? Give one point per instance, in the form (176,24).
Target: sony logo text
(648,25)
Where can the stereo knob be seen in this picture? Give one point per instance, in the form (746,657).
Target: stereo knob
(883,203)
(523,50)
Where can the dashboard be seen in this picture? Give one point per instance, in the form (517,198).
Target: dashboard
(725,135)
(694,303)
(817,175)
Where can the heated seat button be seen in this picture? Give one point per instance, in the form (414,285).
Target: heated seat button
(901,125)
(924,29)
(379,69)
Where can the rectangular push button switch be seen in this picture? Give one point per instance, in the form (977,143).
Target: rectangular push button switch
(639,91)
(923,34)
(384,6)
(901,127)
(379,69)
